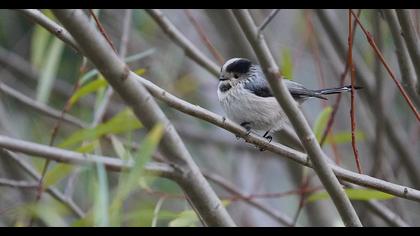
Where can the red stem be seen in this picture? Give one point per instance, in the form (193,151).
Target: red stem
(352,107)
(387,67)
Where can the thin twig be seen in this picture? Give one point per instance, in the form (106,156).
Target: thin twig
(267,20)
(190,49)
(101,29)
(411,40)
(17,183)
(40,107)
(283,219)
(388,68)
(394,131)
(338,99)
(406,67)
(352,97)
(54,192)
(216,54)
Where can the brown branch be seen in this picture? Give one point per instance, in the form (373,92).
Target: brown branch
(216,54)
(338,99)
(102,29)
(352,97)
(388,68)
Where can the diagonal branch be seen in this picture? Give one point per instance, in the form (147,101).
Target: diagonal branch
(190,49)
(94,46)
(303,130)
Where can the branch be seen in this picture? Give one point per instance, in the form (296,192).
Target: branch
(396,139)
(41,107)
(411,40)
(54,192)
(284,98)
(192,51)
(267,20)
(51,26)
(283,219)
(404,60)
(146,109)
(281,150)
(17,183)
(388,68)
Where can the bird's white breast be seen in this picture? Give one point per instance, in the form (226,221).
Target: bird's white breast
(240,105)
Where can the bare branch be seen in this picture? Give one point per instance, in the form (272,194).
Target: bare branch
(146,109)
(411,40)
(17,183)
(41,107)
(192,51)
(267,20)
(51,26)
(284,98)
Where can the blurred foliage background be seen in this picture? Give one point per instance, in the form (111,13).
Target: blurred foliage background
(41,67)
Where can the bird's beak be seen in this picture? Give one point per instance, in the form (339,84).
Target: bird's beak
(222,78)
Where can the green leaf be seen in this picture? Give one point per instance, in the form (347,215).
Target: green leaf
(120,149)
(49,70)
(353,194)
(122,122)
(39,44)
(88,88)
(287,67)
(101,203)
(128,181)
(186,218)
(143,156)
(57,173)
(321,122)
(345,137)
(87,148)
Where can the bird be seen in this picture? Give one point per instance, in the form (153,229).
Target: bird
(247,99)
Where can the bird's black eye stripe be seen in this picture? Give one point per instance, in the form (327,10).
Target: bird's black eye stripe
(240,66)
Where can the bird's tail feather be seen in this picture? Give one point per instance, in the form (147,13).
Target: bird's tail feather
(336,90)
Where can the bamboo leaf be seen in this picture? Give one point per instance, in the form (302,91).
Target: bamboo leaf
(57,173)
(321,122)
(49,70)
(345,137)
(287,66)
(353,194)
(88,88)
(186,218)
(122,122)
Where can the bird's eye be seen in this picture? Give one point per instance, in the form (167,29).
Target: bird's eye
(236,76)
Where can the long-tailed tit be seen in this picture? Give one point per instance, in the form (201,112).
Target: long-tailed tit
(247,99)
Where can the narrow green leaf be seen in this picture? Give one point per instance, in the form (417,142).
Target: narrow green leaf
(57,173)
(100,209)
(122,122)
(87,148)
(88,88)
(186,218)
(39,42)
(49,70)
(119,148)
(353,194)
(321,122)
(345,137)
(287,67)
(128,181)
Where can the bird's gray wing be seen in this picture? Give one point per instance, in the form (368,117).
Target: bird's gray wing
(260,87)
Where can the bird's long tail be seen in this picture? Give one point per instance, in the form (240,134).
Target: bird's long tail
(336,90)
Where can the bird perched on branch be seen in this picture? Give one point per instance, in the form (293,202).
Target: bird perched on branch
(248,100)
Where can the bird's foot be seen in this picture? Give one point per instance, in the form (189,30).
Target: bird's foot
(247,126)
(268,137)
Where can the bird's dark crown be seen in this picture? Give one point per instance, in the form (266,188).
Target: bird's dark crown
(241,66)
